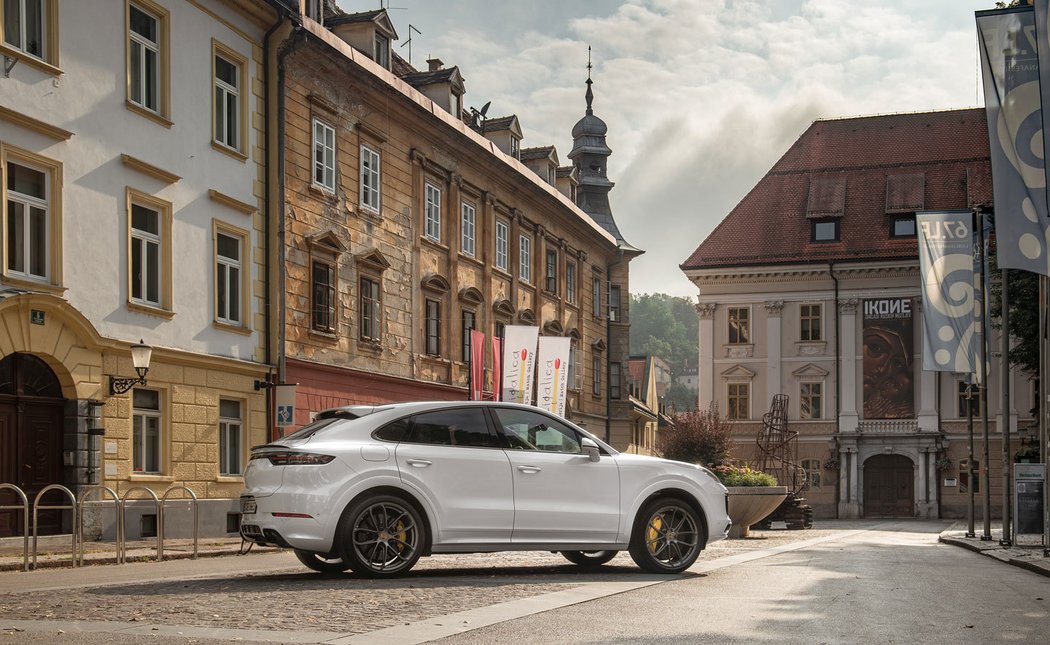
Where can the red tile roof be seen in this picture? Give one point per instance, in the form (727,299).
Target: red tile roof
(769,226)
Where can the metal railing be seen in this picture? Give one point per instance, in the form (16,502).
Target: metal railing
(25,520)
(77,507)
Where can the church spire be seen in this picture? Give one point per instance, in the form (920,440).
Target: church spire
(590,94)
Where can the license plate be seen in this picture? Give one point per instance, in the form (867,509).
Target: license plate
(248,505)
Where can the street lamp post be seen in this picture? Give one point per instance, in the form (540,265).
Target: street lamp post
(141,353)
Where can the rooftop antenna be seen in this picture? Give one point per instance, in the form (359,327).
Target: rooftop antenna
(408,42)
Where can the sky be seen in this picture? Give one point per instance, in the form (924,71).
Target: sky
(701,97)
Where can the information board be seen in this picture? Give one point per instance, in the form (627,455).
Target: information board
(1029,480)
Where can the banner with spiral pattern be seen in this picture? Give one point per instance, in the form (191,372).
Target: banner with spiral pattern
(950,330)
(1010,41)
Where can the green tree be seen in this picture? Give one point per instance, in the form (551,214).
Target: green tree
(681,397)
(664,326)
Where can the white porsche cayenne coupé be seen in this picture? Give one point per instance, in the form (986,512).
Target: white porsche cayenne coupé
(373,488)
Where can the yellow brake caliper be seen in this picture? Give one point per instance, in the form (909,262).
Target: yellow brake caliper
(653,534)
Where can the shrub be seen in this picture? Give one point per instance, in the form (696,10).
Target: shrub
(743,476)
(696,437)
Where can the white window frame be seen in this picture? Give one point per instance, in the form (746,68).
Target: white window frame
(370,177)
(45,26)
(230,272)
(145,45)
(432,209)
(145,240)
(525,258)
(570,282)
(139,439)
(381,50)
(502,239)
(28,203)
(468,228)
(231,461)
(596,295)
(803,385)
(812,466)
(323,157)
(223,92)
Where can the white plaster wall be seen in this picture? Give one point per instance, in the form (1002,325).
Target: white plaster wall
(88,99)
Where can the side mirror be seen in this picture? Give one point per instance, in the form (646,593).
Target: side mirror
(590,449)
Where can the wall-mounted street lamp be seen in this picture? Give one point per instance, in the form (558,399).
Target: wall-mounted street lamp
(140,355)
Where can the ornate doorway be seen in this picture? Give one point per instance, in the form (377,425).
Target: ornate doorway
(889,486)
(31,431)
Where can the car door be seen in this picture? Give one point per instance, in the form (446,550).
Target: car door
(453,458)
(560,495)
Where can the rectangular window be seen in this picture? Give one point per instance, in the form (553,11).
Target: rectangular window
(28,226)
(903,226)
(26,26)
(551,273)
(614,302)
(810,400)
(525,258)
(614,380)
(570,282)
(433,341)
(369,179)
(323,291)
(146,247)
(738,401)
(739,319)
(433,211)
(146,53)
(825,230)
(229,75)
(596,369)
(469,324)
(574,369)
(810,326)
(502,236)
(467,228)
(596,297)
(974,402)
(145,440)
(230,433)
(813,472)
(370,309)
(324,156)
(381,50)
(228,277)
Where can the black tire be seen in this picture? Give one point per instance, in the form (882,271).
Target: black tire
(382,536)
(589,559)
(320,563)
(668,536)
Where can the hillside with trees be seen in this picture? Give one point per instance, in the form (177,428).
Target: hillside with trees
(666,326)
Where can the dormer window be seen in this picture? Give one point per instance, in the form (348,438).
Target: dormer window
(315,10)
(514,147)
(381,50)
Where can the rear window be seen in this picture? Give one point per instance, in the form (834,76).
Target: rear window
(311,429)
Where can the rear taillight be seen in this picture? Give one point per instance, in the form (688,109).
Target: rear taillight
(293,458)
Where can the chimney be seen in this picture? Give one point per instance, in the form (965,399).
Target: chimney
(435,64)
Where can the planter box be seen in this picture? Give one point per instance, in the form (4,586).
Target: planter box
(751,504)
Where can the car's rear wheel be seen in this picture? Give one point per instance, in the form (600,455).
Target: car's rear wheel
(667,536)
(383,536)
(321,563)
(589,559)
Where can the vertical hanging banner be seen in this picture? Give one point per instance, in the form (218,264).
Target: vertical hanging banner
(552,378)
(519,362)
(889,392)
(1009,42)
(497,370)
(950,338)
(477,364)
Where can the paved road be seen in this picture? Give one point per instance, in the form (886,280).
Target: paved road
(851,582)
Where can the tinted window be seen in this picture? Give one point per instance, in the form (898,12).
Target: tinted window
(311,429)
(392,432)
(525,430)
(463,427)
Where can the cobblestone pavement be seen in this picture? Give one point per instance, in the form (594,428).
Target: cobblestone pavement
(296,599)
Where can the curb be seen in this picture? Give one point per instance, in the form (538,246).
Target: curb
(111,558)
(1017,562)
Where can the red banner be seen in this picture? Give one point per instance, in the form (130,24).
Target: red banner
(477,364)
(497,373)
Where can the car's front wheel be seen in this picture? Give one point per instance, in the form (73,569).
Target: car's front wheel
(383,536)
(589,559)
(667,536)
(321,563)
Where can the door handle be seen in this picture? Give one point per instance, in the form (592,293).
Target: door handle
(529,470)
(418,463)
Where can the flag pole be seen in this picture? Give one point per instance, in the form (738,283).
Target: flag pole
(1004,301)
(1044,409)
(986,479)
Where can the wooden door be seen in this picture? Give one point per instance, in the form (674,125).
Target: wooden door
(889,487)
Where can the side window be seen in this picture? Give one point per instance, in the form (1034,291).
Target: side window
(525,430)
(464,427)
(393,431)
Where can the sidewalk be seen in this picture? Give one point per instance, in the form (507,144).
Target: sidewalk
(56,550)
(1027,555)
